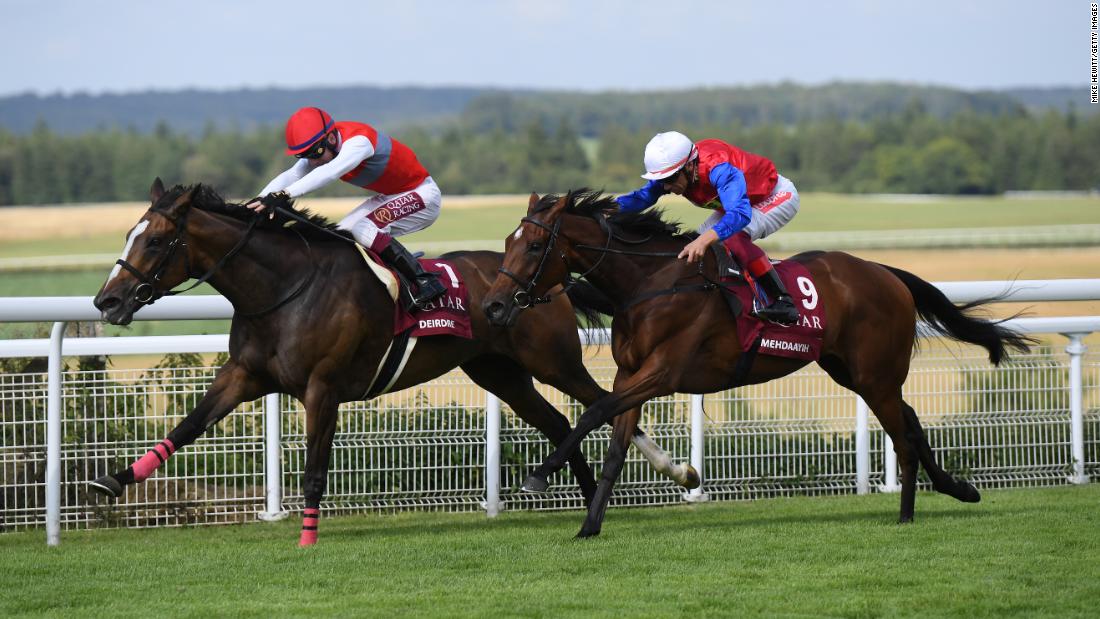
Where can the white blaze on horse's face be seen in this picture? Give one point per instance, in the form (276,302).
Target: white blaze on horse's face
(519,233)
(134,234)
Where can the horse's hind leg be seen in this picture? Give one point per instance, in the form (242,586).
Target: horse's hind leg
(888,409)
(942,481)
(512,384)
(232,385)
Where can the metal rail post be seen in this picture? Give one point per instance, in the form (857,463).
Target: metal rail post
(889,465)
(53,436)
(863,449)
(1076,349)
(697,495)
(492,455)
(273,460)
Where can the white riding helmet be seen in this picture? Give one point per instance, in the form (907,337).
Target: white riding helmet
(666,153)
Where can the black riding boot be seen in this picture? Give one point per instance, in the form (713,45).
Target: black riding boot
(781,309)
(428,286)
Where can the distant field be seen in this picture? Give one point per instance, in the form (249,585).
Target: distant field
(482,222)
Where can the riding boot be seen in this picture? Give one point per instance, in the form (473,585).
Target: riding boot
(781,309)
(428,286)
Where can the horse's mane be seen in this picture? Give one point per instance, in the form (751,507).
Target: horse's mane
(590,203)
(206,199)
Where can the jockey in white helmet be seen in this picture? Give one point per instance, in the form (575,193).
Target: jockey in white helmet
(749,198)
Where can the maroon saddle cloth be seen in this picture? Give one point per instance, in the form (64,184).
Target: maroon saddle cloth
(801,340)
(446,315)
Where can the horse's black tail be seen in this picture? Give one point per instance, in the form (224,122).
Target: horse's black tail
(955,321)
(590,304)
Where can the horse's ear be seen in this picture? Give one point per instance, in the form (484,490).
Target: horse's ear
(156,191)
(532,203)
(560,205)
(181,204)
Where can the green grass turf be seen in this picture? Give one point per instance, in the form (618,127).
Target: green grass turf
(1029,552)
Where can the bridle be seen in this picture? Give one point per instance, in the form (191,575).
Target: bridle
(148,292)
(522,297)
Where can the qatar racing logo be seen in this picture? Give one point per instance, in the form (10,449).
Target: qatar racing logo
(772,201)
(397,208)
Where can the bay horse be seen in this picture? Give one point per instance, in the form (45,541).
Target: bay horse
(671,337)
(311,320)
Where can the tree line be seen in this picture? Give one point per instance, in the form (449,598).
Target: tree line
(913,151)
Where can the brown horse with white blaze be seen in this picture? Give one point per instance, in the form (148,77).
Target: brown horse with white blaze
(669,336)
(311,320)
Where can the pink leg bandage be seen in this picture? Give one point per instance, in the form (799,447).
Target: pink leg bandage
(152,459)
(310,517)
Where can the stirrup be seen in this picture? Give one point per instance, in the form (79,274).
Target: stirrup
(428,290)
(782,312)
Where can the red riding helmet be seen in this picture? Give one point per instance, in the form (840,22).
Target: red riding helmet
(305,128)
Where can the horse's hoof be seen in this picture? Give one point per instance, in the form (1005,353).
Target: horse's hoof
(692,479)
(584,533)
(968,493)
(107,485)
(535,484)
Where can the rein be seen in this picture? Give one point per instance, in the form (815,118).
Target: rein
(524,300)
(146,293)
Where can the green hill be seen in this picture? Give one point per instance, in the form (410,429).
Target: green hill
(195,111)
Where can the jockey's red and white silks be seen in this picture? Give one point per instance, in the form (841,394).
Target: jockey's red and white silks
(394,214)
(392,169)
(760,173)
(768,215)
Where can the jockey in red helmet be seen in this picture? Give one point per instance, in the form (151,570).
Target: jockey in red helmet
(406,198)
(749,198)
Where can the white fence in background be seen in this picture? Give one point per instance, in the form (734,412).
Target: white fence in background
(448,445)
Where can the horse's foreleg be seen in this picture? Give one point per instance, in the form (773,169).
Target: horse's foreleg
(231,386)
(683,473)
(513,385)
(612,467)
(649,382)
(571,378)
(320,429)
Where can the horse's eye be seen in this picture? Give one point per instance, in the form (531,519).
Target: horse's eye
(534,248)
(155,241)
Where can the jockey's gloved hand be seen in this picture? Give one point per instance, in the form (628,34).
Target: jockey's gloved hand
(275,198)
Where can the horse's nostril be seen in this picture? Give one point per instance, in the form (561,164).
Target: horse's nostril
(108,303)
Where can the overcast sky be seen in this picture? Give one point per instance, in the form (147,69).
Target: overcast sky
(110,46)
